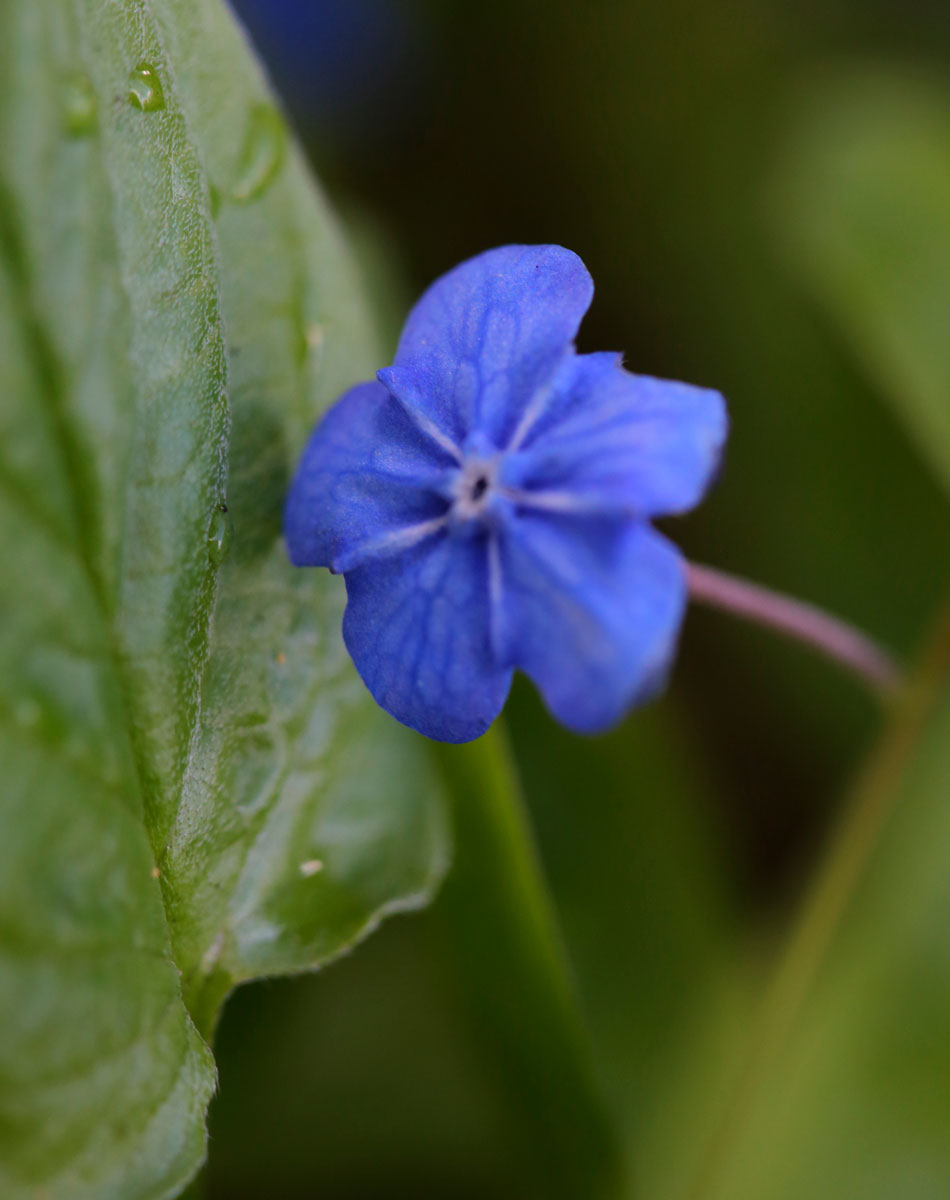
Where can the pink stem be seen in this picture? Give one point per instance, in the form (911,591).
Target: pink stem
(797,620)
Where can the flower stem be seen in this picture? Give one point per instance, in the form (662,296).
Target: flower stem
(501,932)
(797,620)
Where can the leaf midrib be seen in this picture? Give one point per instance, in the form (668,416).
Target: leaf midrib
(48,375)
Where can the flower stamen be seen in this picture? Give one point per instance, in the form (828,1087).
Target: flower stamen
(474,487)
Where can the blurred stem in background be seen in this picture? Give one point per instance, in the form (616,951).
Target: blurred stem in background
(820,947)
(513,972)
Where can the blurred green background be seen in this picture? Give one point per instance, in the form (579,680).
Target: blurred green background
(756,188)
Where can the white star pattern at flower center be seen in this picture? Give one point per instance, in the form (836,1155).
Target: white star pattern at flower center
(489,497)
(474,488)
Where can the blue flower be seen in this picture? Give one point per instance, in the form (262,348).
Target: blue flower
(488,499)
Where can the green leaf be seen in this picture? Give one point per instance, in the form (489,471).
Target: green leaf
(844,1093)
(864,211)
(197,789)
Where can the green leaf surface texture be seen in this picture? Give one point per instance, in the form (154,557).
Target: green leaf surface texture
(196,788)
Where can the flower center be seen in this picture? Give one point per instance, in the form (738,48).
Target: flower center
(473,488)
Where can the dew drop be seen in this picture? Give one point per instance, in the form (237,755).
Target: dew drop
(145,90)
(79,106)
(111,775)
(28,713)
(261,156)
(220,534)
(213,953)
(214,201)
(309,342)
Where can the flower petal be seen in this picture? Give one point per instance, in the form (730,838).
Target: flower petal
(367,473)
(620,442)
(590,609)
(485,337)
(417,628)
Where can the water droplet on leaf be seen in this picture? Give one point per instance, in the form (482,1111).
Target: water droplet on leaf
(145,90)
(111,775)
(28,713)
(214,201)
(309,342)
(79,106)
(220,533)
(213,953)
(261,156)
